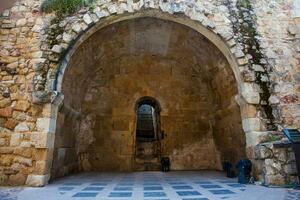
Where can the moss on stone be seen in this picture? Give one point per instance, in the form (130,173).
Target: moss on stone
(64,6)
(244,26)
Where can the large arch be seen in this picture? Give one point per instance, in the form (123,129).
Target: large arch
(223,44)
(162,27)
(244,95)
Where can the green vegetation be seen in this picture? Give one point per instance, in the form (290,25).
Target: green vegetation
(64,7)
(274,138)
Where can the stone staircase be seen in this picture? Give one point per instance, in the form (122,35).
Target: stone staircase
(147,158)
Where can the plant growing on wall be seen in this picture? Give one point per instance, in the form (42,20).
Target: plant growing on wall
(64,6)
(243,22)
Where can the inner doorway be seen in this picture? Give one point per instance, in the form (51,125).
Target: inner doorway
(148,135)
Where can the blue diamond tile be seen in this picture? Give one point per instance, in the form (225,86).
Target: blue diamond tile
(125,184)
(152,183)
(93,188)
(177,183)
(188,193)
(98,184)
(65,188)
(72,184)
(153,188)
(85,194)
(182,187)
(203,182)
(123,188)
(154,194)
(228,181)
(236,185)
(156,199)
(221,192)
(210,186)
(120,194)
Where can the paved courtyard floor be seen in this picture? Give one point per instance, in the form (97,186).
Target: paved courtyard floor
(148,186)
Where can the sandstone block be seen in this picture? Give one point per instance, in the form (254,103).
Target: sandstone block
(250,93)
(290,169)
(5,102)
(6,112)
(17,179)
(251,124)
(254,138)
(262,152)
(277,179)
(22,127)
(42,139)
(6,160)
(15,139)
(37,180)
(87,19)
(24,161)
(22,105)
(57,48)
(11,124)
(6,150)
(46,125)
(76,27)
(67,37)
(24,152)
(3,179)
(2,141)
(21,22)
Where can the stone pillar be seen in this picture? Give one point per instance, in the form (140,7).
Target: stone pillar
(43,141)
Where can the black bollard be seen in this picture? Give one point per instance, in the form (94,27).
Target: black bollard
(227,167)
(244,168)
(165,164)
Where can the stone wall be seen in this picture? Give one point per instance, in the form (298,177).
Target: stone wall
(33,62)
(277,161)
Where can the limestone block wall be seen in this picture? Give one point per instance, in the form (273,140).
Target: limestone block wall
(33,62)
(277,160)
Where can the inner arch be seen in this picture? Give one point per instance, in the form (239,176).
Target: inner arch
(122,62)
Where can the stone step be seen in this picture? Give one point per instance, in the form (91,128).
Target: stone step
(147,166)
(146,160)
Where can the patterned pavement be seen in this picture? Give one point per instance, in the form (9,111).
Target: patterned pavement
(148,186)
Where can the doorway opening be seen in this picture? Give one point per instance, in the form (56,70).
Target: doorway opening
(148,134)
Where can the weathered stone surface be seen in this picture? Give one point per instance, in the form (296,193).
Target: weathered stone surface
(17,179)
(42,139)
(15,139)
(22,105)
(6,112)
(275,179)
(24,152)
(250,93)
(11,124)
(23,161)
(22,127)
(57,48)
(46,125)
(251,124)
(37,180)
(87,19)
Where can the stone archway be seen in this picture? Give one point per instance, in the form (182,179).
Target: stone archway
(146,48)
(245,94)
